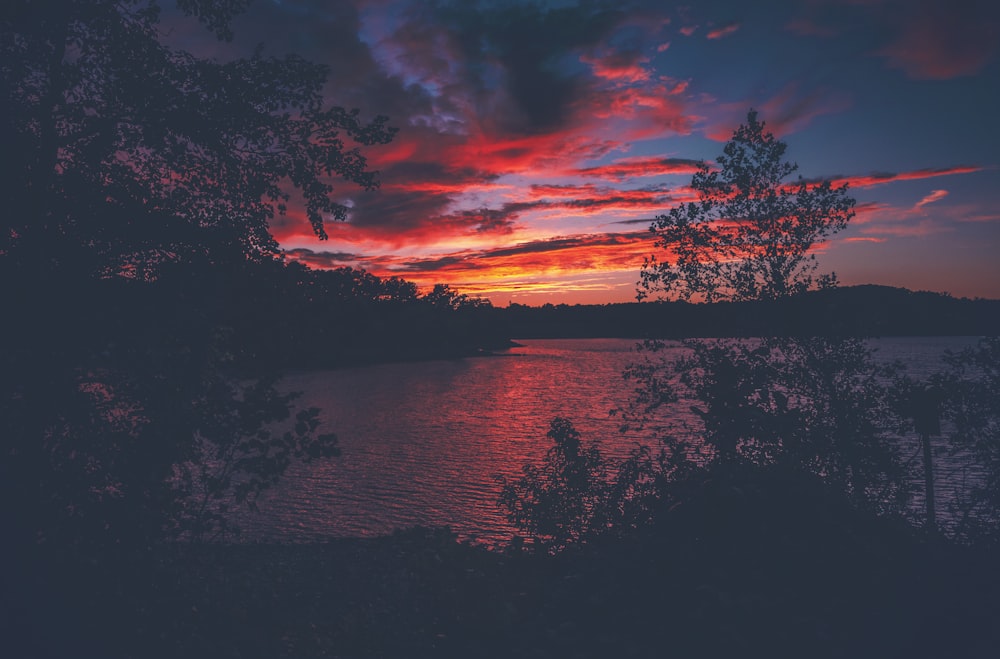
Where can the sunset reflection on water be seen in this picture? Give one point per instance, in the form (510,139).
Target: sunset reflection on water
(423,443)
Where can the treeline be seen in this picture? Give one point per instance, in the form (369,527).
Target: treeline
(851,311)
(331,318)
(286,316)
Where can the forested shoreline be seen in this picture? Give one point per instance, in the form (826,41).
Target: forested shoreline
(847,311)
(286,316)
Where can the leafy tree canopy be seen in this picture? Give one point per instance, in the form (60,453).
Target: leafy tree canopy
(139,182)
(749,234)
(123,153)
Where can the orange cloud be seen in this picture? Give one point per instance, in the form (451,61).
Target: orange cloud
(554,255)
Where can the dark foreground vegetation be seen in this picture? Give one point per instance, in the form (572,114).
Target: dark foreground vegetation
(744,568)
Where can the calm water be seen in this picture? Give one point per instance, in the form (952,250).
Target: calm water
(423,443)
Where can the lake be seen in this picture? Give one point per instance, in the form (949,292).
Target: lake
(423,443)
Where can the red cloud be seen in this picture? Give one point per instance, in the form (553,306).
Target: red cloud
(723,31)
(652,111)
(426,174)
(622,67)
(463,128)
(881,178)
(577,195)
(626,168)
(549,202)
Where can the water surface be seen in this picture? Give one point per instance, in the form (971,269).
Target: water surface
(423,443)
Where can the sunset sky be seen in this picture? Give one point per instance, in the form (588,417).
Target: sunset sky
(537,140)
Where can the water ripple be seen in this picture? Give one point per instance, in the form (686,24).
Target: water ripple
(423,443)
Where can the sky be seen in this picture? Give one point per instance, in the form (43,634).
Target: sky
(538,140)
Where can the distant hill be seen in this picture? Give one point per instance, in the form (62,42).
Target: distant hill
(867,310)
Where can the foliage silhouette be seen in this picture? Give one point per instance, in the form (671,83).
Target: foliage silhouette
(815,404)
(970,404)
(142,180)
(577,494)
(563,499)
(144,154)
(749,235)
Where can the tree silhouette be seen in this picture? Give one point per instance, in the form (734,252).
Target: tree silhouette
(749,235)
(135,154)
(140,182)
(818,405)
